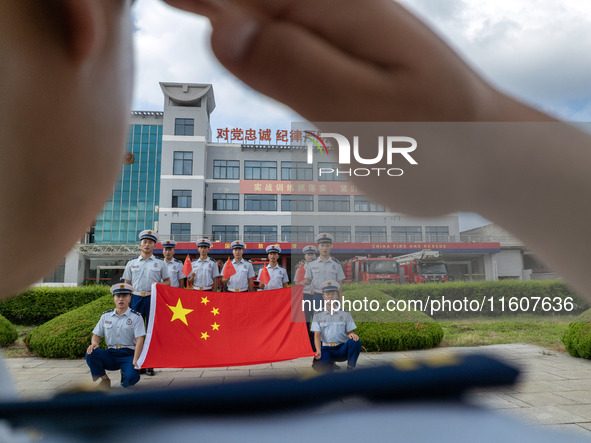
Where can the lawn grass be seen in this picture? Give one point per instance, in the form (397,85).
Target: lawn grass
(546,332)
(18,349)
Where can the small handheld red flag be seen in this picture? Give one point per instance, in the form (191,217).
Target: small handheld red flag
(229,270)
(187,267)
(301,274)
(265,278)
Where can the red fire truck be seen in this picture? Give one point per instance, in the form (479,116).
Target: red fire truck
(368,269)
(425,266)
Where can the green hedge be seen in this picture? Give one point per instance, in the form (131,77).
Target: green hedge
(8,334)
(385,331)
(68,336)
(387,337)
(577,338)
(38,305)
(510,290)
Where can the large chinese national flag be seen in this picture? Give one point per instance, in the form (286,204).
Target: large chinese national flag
(198,329)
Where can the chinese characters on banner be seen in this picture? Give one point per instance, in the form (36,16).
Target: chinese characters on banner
(252,136)
(299,187)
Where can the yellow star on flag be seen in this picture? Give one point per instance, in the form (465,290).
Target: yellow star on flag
(204,300)
(179,313)
(215,311)
(215,327)
(204,335)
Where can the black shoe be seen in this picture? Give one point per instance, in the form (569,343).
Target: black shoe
(142,371)
(335,367)
(150,372)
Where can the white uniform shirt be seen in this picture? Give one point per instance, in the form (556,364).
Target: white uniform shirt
(120,329)
(320,271)
(278,276)
(333,328)
(175,271)
(205,272)
(244,271)
(308,289)
(143,272)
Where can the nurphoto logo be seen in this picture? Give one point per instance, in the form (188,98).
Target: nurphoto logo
(394,145)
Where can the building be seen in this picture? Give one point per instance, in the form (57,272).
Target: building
(184,181)
(514,260)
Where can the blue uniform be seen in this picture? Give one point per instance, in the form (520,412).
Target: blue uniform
(142,273)
(336,345)
(120,332)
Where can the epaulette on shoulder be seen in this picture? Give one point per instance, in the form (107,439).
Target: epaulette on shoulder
(335,260)
(135,312)
(177,260)
(159,258)
(110,310)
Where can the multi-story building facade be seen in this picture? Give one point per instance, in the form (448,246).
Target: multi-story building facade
(180,180)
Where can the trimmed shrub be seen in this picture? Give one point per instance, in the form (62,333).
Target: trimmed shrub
(498,298)
(38,305)
(8,334)
(577,338)
(68,335)
(385,337)
(384,331)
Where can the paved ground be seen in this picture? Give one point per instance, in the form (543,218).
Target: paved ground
(553,392)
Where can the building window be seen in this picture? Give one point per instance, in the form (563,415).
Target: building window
(180,231)
(183,163)
(365,234)
(333,203)
(297,233)
(297,203)
(184,126)
(407,233)
(301,171)
(260,202)
(226,202)
(226,169)
(260,234)
(437,233)
(341,234)
(324,175)
(181,198)
(364,204)
(260,170)
(225,233)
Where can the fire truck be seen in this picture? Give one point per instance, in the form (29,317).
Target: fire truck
(368,269)
(425,266)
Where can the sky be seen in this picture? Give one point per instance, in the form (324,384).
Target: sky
(535,50)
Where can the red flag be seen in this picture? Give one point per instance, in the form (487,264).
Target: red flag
(301,273)
(198,329)
(229,270)
(187,267)
(265,278)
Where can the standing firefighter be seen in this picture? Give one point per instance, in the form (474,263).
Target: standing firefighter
(273,276)
(205,275)
(175,267)
(141,272)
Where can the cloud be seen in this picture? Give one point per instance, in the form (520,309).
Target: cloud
(173,46)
